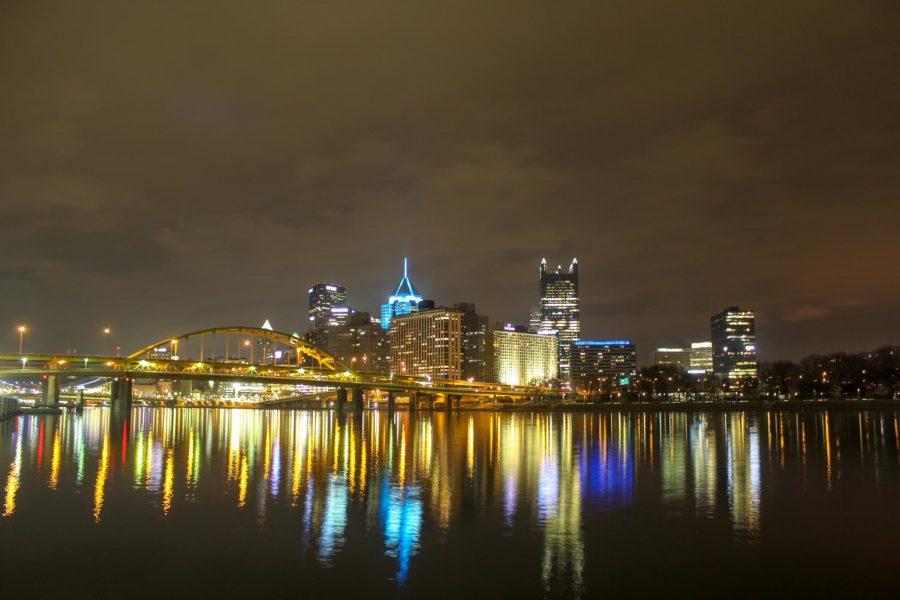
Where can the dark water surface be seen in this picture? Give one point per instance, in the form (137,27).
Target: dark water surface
(202,502)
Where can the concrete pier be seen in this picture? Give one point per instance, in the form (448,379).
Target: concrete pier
(50,390)
(120,391)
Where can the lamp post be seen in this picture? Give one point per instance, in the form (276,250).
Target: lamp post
(107,332)
(22,329)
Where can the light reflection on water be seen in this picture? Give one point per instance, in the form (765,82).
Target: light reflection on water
(409,483)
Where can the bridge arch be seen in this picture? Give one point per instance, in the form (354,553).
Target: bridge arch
(301,346)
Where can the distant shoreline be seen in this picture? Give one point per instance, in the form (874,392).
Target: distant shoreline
(722,406)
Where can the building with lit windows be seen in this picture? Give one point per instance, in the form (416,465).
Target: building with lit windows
(534,320)
(427,343)
(476,343)
(403,301)
(614,362)
(559,309)
(522,358)
(733,334)
(327,308)
(701,358)
(673,357)
(360,343)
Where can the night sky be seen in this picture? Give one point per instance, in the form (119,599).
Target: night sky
(167,166)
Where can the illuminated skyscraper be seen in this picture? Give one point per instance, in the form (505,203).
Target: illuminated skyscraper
(560,310)
(327,308)
(522,358)
(427,343)
(733,333)
(403,301)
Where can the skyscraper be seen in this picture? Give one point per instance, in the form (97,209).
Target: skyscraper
(476,343)
(560,310)
(403,301)
(427,343)
(327,308)
(733,334)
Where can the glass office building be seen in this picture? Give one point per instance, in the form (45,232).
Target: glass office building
(559,310)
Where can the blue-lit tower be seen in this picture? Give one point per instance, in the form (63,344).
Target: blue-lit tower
(403,301)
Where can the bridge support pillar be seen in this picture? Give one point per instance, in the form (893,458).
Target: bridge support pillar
(431,403)
(448,402)
(79,404)
(390,401)
(120,392)
(341,399)
(413,401)
(50,390)
(357,398)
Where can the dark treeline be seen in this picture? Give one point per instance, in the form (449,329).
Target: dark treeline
(866,375)
(837,376)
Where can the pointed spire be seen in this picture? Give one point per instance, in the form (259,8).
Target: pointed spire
(267,325)
(405,287)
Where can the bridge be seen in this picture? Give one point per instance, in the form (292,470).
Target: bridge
(286,360)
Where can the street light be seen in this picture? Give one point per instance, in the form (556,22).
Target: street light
(107,332)
(21,329)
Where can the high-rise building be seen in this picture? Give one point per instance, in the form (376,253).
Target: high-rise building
(403,301)
(360,344)
(327,308)
(560,310)
(534,320)
(476,343)
(701,358)
(522,358)
(673,357)
(733,334)
(427,343)
(613,360)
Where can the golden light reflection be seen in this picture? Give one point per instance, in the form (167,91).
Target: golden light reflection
(54,461)
(12,479)
(100,483)
(168,481)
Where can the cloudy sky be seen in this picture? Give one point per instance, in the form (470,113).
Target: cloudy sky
(166,166)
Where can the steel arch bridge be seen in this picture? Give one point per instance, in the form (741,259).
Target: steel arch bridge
(328,372)
(300,346)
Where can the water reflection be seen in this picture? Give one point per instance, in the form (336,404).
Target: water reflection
(408,480)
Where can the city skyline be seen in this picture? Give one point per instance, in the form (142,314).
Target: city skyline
(110,337)
(688,167)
